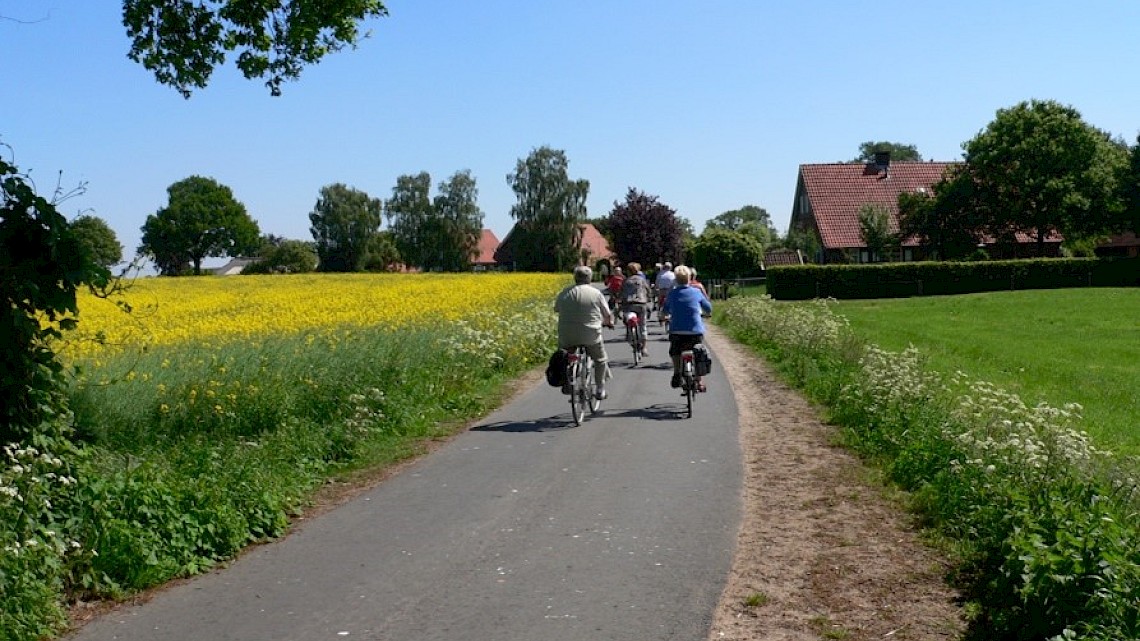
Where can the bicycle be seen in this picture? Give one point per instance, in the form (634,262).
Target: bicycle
(580,383)
(689,385)
(634,336)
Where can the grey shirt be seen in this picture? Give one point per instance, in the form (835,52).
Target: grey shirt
(582,310)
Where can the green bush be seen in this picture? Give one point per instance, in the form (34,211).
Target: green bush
(892,280)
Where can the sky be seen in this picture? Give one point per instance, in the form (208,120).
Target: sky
(710,106)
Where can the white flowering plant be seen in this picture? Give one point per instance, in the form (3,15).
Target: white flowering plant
(1044,523)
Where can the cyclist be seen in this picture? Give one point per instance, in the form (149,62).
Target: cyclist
(582,311)
(664,282)
(693,282)
(685,304)
(635,297)
(613,287)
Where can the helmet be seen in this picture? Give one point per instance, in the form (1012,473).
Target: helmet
(668,265)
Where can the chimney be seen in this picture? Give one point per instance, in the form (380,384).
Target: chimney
(883,162)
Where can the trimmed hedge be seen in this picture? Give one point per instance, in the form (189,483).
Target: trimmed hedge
(897,280)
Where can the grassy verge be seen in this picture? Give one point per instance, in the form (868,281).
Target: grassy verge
(176,458)
(1053,346)
(1041,523)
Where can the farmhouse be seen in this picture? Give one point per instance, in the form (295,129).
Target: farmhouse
(830,196)
(485,257)
(594,247)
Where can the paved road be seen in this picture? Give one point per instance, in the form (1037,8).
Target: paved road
(523,528)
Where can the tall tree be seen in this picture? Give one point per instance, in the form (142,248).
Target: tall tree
(947,219)
(875,229)
(183,42)
(440,233)
(549,211)
(343,223)
(99,240)
(460,222)
(898,151)
(202,219)
(410,218)
(646,230)
(1039,168)
(1129,189)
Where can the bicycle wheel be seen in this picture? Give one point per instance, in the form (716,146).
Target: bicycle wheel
(577,407)
(690,384)
(591,399)
(636,343)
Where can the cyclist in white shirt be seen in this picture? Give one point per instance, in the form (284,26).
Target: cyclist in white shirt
(665,282)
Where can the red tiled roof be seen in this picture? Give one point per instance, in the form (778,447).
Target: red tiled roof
(488,243)
(783,257)
(593,241)
(838,190)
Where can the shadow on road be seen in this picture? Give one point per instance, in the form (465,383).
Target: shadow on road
(559,422)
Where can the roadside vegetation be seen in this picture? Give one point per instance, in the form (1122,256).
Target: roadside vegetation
(1056,345)
(203,421)
(1040,522)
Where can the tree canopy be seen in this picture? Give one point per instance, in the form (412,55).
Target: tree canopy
(749,219)
(945,219)
(645,230)
(549,211)
(283,256)
(343,223)
(98,240)
(875,229)
(435,234)
(898,151)
(719,253)
(1039,168)
(182,43)
(202,219)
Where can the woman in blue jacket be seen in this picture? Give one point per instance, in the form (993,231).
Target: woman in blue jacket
(685,305)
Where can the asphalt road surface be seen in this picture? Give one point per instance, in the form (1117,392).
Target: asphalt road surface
(523,528)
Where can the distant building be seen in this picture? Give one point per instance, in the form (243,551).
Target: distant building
(829,197)
(234,267)
(594,247)
(488,243)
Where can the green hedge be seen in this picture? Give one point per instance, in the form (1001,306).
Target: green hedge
(895,280)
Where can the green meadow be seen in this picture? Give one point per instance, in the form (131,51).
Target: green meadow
(1056,346)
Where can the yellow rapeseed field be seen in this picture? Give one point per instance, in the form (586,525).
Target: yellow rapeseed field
(168,311)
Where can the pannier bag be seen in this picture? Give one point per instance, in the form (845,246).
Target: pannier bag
(701,359)
(556,369)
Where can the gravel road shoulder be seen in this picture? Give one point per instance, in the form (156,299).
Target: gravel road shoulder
(821,554)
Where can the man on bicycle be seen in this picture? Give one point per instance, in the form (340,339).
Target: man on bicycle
(685,305)
(635,297)
(582,311)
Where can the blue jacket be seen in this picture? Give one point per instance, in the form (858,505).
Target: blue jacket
(684,305)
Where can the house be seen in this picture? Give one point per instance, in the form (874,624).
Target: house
(1126,244)
(594,246)
(513,249)
(830,196)
(485,256)
(235,266)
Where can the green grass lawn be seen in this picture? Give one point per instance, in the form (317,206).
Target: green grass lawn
(1057,346)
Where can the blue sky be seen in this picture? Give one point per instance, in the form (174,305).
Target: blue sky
(708,105)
